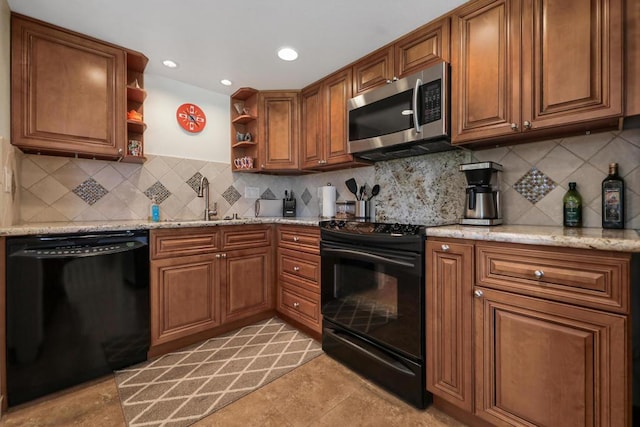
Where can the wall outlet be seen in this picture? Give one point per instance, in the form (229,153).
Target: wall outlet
(251,192)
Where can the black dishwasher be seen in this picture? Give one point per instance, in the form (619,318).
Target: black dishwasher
(77,309)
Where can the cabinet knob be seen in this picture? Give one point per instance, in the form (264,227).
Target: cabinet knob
(445,248)
(539,274)
(478,293)
(224,255)
(296,238)
(527,124)
(514,126)
(218,256)
(296,268)
(296,304)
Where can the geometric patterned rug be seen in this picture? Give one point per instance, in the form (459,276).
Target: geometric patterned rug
(180,388)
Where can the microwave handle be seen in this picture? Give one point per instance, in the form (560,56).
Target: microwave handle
(416,116)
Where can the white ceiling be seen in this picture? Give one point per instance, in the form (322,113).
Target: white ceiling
(237,40)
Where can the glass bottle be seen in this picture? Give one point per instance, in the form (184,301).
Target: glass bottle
(572,207)
(613,199)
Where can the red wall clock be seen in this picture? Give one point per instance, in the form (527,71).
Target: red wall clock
(191,118)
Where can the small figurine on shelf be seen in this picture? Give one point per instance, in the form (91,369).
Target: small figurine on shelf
(134,148)
(134,115)
(136,84)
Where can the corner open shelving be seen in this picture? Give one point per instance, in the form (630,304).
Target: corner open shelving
(244,120)
(136,95)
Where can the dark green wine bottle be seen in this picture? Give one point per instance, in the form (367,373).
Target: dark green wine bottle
(613,199)
(572,207)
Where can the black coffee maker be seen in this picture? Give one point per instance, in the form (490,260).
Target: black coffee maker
(482,203)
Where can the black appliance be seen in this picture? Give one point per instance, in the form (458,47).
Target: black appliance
(288,204)
(407,117)
(373,308)
(77,309)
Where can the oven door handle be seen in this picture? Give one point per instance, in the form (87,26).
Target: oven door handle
(367,257)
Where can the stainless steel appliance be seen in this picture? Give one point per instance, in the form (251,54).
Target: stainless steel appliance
(77,309)
(483,204)
(372,297)
(407,117)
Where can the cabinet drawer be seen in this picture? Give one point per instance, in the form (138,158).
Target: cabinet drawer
(301,305)
(245,236)
(584,277)
(300,268)
(299,238)
(183,241)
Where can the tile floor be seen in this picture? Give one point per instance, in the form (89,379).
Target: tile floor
(320,393)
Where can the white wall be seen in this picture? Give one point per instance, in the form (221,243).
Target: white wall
(165,137)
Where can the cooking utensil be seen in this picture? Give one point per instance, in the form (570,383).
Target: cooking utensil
(374,191)
(361,192)
(352,186)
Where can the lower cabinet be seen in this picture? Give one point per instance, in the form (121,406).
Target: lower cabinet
(298,272)
(522,335)
(548,364)
(185,297)
(207,280)
(246,283)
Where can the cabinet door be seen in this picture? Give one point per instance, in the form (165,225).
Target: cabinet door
(485,70)
(425,46)
(312,153)
(247,283)
(185,297)
(548,364)
(373,70)
(68,92)
(337,91)
(572,61)
(449,304)
(279,131)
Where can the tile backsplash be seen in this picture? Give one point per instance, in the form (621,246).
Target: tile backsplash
(536,176)
(424,189)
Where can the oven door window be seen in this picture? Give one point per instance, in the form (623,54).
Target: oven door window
(376,296)
(389,115)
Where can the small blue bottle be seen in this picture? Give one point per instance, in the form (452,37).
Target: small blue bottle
(155,211)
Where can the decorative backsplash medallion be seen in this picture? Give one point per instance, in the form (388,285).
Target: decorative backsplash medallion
(90,191)
(534,185)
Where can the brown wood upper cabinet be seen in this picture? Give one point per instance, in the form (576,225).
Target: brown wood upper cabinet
(420,48)
(324,123)
(68,92)
(278,133)
(523,66)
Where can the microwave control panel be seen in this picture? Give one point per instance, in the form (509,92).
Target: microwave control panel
(432,101)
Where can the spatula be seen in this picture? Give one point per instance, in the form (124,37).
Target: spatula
(352,186)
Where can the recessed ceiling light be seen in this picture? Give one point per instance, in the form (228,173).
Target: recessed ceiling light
(169,63)
(287,54)
(226,82)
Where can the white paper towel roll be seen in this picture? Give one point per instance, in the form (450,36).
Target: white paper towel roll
(328,201)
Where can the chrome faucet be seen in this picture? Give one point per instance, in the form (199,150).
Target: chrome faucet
(203,191)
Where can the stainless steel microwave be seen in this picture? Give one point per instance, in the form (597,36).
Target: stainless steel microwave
(407,117)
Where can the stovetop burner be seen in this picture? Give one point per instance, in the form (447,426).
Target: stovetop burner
(358,227)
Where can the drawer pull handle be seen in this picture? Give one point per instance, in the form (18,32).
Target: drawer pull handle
(539,274)
(478,293)
(296,304)
(296,268)
(296,238)
(445,248)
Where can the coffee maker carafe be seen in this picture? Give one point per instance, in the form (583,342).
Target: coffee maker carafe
(482,203)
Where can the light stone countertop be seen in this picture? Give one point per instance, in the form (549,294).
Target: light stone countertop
(94,226)
(585,238)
